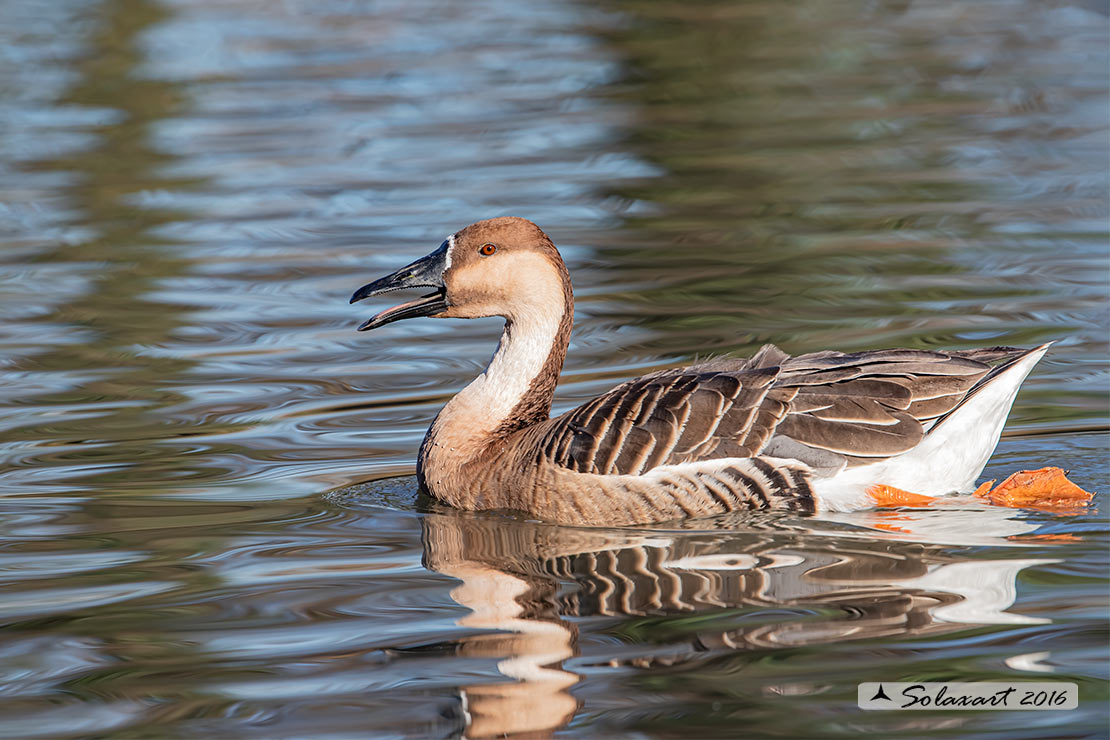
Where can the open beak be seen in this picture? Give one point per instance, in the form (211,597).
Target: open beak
(426,272)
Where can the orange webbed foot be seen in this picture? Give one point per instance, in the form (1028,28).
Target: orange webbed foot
(1047,488)
(889,496)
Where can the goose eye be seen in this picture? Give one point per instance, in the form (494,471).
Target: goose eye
(487,249)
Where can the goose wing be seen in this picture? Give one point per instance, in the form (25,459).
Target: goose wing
(827,409)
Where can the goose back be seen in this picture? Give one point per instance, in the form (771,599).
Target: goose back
(830,410)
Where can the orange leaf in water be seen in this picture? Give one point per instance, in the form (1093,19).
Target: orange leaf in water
(1047,488)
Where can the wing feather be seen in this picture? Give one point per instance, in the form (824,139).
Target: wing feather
(828,409)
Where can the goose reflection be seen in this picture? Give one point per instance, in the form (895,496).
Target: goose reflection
(778,584)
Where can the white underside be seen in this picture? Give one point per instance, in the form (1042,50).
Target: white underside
(948,459)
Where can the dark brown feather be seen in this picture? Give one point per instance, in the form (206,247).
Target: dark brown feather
(828,409)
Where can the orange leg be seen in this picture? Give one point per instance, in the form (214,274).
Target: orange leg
(1047,488)
(884,496)
(984,488)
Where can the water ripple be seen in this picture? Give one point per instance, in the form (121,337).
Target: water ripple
(208,516)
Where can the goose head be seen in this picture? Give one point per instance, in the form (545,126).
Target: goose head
(500,267)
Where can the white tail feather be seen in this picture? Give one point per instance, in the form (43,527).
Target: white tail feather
(952,454)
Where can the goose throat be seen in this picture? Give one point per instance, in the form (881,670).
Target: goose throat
(518,384)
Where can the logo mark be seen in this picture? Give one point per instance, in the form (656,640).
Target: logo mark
(880,694)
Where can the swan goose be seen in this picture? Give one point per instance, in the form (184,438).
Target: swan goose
(810,433)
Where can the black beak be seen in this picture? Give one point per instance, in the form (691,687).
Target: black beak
(426,272)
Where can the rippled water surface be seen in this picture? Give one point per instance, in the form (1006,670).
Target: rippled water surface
(208,521)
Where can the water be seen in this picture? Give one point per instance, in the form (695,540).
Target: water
(208,519)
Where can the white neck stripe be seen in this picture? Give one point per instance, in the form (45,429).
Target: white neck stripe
(450,248)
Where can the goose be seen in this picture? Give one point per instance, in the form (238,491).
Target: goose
(813,433)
